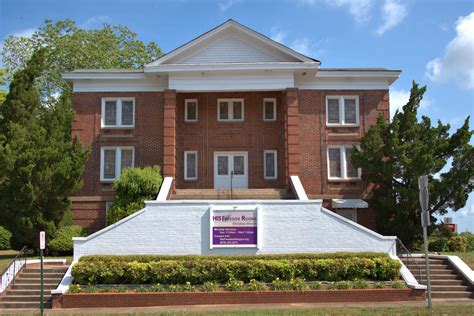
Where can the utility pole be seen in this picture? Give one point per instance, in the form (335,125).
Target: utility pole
(425,222)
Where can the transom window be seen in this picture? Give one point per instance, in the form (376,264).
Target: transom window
(339,162)
(270,164)
(229,110)
(191,110)
(118,112)
(113,160)
(342,110)
(190,165)
(269,109)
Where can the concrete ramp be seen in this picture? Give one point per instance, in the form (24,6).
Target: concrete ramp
(184,227)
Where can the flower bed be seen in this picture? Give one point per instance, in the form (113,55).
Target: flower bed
(198,270)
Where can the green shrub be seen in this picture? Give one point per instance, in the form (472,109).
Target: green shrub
(342,285)
(379,285)
(188,287)
(157,288)
(470,240)
(234,285)
(299,284)
(255,285)
(457,244)
(316,285)
(398,285)
(210,287)
(221,269)
(75,288)
(62,243)
(122,288)
(132,189)
(438,244)
(281,285)
(361,284)
(5,237)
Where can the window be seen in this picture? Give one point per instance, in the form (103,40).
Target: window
(190,165)
(108,205)
(270,164)
(339,163)
(191,110)
(113,160)
(230,110)
(342,110)
(350,214)
(269,109)
(118,112)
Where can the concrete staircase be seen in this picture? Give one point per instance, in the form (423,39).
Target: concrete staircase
(446,282)
(237,194)
(25,291)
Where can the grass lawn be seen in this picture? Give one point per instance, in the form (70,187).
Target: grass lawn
(467,257)
(6,256)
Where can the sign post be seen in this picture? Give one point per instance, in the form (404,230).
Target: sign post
(42,246)
(425,221)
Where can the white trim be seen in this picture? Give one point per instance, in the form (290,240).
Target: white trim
(166,189)
(407,276)
(349,203)
(342,115)
(118,159)
(118,113)
(274,152)
(298,188)
(94,74)
(186,153)
(186,119)
(343,163)
(457,263)
(230,110)
(66,281)
(231,24)
(172,68)
(273,119)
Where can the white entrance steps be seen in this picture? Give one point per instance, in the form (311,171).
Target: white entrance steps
(236,194)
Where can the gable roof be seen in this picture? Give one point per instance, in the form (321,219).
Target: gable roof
(229,35)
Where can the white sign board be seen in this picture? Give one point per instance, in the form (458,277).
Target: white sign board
(42,240)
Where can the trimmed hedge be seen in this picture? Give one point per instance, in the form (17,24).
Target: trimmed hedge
(220,269)
(5,237)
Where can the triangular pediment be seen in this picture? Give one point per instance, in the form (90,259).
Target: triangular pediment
(231,43)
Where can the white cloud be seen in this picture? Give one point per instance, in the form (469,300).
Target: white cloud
(400,97)
(393,13)
(458,60)
(224,5)
(358,9)
(301,45)
(278,35)
(97,20)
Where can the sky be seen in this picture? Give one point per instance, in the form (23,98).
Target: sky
(431,41)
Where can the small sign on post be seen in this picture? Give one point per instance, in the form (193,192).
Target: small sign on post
(42,240)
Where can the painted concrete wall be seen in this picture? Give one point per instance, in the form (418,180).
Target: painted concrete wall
(182,227)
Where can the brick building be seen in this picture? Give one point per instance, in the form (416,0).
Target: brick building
(231,108)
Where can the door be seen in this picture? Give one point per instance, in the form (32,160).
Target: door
(230,168)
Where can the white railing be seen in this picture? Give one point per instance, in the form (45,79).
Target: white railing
(12,270)
(166,189)
(298,188)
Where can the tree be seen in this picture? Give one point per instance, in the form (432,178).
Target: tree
(394,154)
(40,162)
(3,93)
(72,48)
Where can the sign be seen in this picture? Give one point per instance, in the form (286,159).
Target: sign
(42,240)
(452,227)
(424,200)
(234,228)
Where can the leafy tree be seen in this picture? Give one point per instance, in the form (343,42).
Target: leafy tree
(71,47)
(40,162)
(132,189)
(394,154)
(3,93)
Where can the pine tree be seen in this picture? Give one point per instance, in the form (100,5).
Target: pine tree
(394,154)
(40,162)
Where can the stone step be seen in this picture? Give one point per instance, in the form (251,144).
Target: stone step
(449,294)
(441,277)
(432,267)
(196,194)
(436,271)
(25,298)
(447,282)
(449,288)
(27,291)
(48,270)
(23,305)
(48,275)
(21,280)
(33,286)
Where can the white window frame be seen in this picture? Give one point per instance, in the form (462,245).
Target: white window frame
(118,117)
(274,152)
(352,210)
(265,100)
(342,118)
(108,205)
(186,153)
(343,163)
(186,119)
(230,109)
(118,160)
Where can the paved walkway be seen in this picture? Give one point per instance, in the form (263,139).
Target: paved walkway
(233,307)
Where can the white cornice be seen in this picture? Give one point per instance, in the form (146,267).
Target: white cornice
(170,68)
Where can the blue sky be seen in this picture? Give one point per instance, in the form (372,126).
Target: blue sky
(432,42)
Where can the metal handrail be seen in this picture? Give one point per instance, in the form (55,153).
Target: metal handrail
(15,266)
(406,254)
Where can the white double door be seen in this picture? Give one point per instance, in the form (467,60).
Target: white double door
(230,169)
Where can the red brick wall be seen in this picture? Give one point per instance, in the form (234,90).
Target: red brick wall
(146,138)
(208,135)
